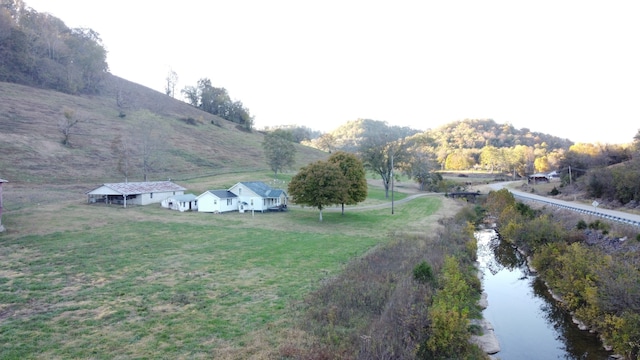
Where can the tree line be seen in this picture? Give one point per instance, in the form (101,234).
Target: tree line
(216,101)
(462,145)
(39,50)
(612,170)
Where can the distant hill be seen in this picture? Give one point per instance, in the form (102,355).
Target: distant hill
(477,133)
(350,135)
(471,134)
(185,141)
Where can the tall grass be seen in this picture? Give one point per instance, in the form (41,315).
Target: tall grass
(376,309)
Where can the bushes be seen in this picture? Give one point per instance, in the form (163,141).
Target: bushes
(449,329)
(382,306)
(623,333)
(599,283)
(423,273)
(581,225)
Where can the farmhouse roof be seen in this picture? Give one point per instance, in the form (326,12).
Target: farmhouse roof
(263,189)
(146,187)
(222,194)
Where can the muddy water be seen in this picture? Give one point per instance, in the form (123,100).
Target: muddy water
(528,323)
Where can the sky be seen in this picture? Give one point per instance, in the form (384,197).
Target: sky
(566,68)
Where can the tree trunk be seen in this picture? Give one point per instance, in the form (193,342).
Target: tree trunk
(386,181)
(320,215)
(342,208)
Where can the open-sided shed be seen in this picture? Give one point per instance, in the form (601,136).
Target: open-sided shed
(137,193)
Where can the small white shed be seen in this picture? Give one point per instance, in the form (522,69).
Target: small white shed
(186,202)
(217,201)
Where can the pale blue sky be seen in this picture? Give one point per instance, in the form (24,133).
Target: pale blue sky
(567,68)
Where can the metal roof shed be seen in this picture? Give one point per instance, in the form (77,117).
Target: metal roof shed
(138,193)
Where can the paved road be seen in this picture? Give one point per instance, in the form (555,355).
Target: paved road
(613,215)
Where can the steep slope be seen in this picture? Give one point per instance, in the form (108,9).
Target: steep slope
(180,140)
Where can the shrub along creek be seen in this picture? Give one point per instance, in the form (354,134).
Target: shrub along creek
(527,321)
(591,268)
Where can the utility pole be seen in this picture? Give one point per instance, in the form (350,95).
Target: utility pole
(569,174)
(391,183)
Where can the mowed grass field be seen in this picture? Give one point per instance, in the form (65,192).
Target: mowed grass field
(103,282)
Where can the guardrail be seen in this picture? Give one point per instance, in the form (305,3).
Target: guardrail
(582,211)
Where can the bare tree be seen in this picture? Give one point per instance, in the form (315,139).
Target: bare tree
(172,81)
(378,155)
(66,126)
(122,147)
(326,142)
(150,143)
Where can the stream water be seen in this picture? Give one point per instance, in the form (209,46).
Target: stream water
(528,323)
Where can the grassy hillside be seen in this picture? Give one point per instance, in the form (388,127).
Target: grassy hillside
(190,142)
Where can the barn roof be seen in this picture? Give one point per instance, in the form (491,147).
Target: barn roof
(130,188)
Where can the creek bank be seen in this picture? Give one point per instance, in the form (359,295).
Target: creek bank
(579,323)
(528,322)
(487,341)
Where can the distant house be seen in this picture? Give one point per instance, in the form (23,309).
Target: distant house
(186,202)
(217,201)
(2,181)
(258,196)
(538,178)
(136,193)
(243,196)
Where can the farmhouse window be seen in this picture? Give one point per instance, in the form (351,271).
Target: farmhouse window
(215,202)
(151,195)
(229,201)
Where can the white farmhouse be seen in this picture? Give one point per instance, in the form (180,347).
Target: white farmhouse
(241,197)
(258,196)
(137,193)
(217,201)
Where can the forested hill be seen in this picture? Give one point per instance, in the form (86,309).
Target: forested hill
(350,135)
(39,50)
(478,133)
(467,134)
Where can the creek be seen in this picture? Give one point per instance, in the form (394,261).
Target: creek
(527,321)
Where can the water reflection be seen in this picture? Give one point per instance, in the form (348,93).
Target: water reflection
(527,321)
